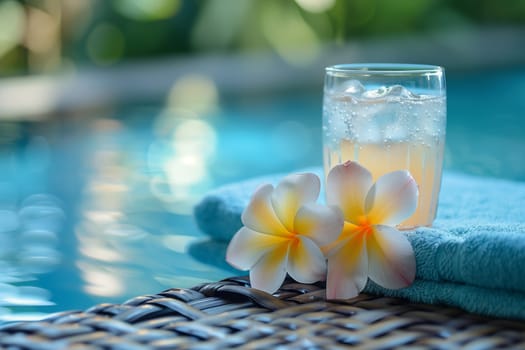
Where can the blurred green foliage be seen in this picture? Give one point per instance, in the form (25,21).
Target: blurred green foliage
(39,36)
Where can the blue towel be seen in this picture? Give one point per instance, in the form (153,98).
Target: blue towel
(473,257)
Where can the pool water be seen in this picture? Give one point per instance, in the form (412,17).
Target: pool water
(96,207)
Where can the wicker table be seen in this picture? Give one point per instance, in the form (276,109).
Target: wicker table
(229,314)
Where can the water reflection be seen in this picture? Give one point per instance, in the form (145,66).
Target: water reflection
(180,159)
(31,221)
(28,247)
(102,238)
(135,227)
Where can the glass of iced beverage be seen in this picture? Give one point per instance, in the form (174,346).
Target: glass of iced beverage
(388,117)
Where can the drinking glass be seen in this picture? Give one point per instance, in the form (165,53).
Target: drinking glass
(388,117)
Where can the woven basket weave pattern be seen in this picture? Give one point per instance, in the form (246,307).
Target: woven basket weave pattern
(229,314)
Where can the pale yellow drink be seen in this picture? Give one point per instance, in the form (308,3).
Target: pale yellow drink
(389,129)
(422,161)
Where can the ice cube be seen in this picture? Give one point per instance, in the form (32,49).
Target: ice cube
(376,93)
(354,87)
(396,132)
(395,91)
(400,91)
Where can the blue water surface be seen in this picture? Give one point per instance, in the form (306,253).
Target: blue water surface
(97,207)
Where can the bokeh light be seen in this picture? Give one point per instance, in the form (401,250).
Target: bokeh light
(182,163)
(12,22)
(56,35)
(193,92)
(315,6)
(150,10)
(225,18)
(106,44)
(293,39)
(42,39)
(195,137)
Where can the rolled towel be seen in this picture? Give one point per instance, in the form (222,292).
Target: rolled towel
(473,257)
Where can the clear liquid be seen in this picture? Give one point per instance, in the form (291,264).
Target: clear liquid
(386,134)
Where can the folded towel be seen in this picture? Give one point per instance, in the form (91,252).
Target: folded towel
(473,257)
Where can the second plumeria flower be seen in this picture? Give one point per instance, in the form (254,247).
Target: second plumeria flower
(283,230)
(369,245)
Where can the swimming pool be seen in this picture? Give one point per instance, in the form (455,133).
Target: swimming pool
(97,208)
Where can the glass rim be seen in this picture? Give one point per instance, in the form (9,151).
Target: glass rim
(383,69)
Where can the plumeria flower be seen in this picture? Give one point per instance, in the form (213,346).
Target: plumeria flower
(283,230)
(369,245)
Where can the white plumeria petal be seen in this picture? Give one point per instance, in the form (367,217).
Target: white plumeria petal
(260,216)
(335,245)
(320,223)
(292,193)
(391,260)
(392,199)
(306,262)
(347,269)
(346,187)
(270,271)
(247,247)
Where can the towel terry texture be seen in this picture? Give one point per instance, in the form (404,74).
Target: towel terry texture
(473,257)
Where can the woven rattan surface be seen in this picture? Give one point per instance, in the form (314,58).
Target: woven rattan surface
(229,314)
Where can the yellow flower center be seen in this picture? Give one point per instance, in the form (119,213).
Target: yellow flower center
(365,226)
